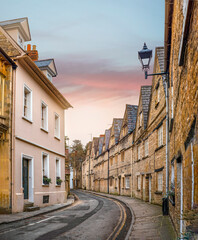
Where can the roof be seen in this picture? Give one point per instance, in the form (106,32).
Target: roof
(107,138)
(146,96)
(47,64)
(131,116)
(117,124)
(159,51)
(101,140)
(21,23)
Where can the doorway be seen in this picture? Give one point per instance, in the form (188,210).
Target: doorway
(28,178)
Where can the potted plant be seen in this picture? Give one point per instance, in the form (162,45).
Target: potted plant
(58,181)
(46,180)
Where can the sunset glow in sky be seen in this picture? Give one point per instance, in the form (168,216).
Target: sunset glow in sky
(94,44)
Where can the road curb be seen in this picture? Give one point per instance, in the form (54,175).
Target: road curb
(38,214)
(112,197)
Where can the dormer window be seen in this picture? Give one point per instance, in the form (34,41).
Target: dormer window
(20,41)
(49,76)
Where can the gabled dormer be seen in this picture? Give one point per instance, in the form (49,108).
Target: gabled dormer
(142,112)
(106,140)
(157,103)
(115,131)
(18,29)
(48,67)
(101,140)
(94,147)
(129,121)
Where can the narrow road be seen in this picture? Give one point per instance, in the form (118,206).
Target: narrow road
(91,217)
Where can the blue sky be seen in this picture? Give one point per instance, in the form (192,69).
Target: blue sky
(93,42)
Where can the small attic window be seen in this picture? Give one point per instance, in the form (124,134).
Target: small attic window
(49,76)
(20,41)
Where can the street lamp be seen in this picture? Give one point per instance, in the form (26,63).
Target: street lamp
(145,56)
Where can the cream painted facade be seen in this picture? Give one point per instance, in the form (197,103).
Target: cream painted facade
(38,151)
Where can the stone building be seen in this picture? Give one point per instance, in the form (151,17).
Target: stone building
(123,160)
(94,149)
(38,148)
(113,155)
(85,167)
(7,71)
(181,61)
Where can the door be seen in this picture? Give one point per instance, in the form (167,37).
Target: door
(25,178)
(149,188)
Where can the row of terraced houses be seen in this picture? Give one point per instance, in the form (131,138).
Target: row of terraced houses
(132,156)
(32,147)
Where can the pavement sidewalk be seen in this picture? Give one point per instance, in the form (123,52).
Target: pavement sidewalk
(148,221)
(15,217)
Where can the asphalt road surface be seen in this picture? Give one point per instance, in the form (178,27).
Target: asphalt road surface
(91,217)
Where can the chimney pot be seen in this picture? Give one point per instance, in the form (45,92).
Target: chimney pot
(34,47)
(29,47)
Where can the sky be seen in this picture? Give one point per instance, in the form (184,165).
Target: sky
(94,44)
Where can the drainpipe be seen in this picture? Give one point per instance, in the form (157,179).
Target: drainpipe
(181,207)
(89,173)
(193,184)
(12,138)
(108,173)
(167,135)
(131,171)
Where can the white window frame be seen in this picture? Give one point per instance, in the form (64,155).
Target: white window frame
(160,136)
(57,169)
(49,76)
(141,116)
(138,182)
(45,127)
(160,181)
(47,166)
(57,135)
(29,115)
(172,174)
(138,152)
(127,182)
(146,147)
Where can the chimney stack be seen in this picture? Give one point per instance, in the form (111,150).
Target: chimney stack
(33,53)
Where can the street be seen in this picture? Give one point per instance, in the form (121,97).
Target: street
(91,217)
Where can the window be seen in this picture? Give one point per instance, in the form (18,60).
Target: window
(49,76)
(116,159)
(127,182)
(57,126)
(45,167)
(122,182)
(138,149)
(146,146)
(2,92)
(111,161)
(172,177)
(44,117)
(111,182)
(116,183)
(20,41)
(140,121)
(158,95)
(27,103)
(122,156)
(58,171)
(160,136)
(160,181)
(138,183)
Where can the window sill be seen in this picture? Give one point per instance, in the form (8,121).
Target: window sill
(45,185)
(158,192)
(127,188)
(159,148)
(44,130)
(58,185)
(26,119)
(57,138)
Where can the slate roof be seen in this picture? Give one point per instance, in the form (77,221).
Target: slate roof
(117,124)
(132,115)
(107,138)
(159,51)
(101,140)
(146,96)
(96,143)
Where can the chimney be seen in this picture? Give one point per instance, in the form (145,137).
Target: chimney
(32,53)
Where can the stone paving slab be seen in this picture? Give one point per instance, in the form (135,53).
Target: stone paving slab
(9,218)
(149,223)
